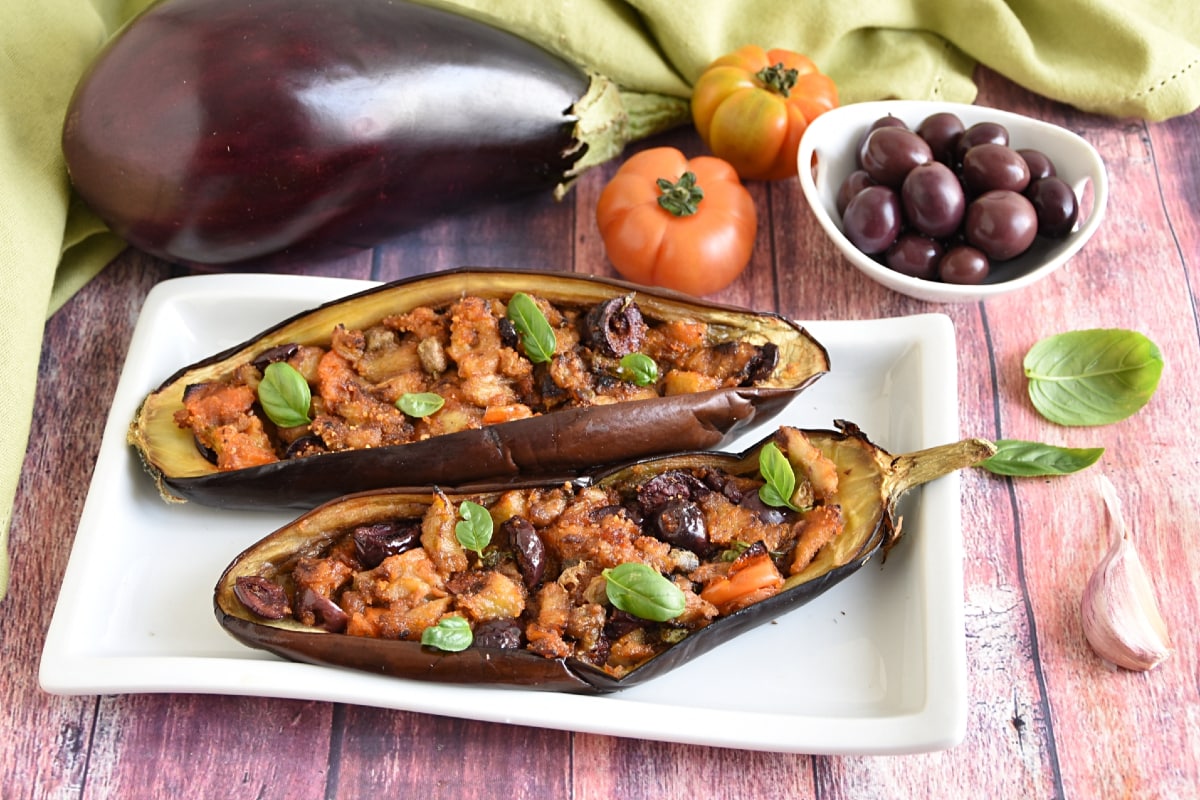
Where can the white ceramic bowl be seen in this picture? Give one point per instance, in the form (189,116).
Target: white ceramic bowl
(827,156)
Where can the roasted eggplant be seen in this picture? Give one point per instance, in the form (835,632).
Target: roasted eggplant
(362,581)
(251,132)
(609,424)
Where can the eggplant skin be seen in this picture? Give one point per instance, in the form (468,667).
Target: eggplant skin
(234,132)
(878,479)
(559,445)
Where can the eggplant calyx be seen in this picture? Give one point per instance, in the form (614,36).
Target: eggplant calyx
(608,118)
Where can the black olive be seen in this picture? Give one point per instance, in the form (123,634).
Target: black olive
(630,513)
(615,327)
(598,653)
(719,482)
(672,485)
(306,445)
(280,352)
(209,454)
(680,523)
(768,514)
(528,549)
(620,623)
(502,634)
(374,543)
(762,365)
(508,333)
(262,596)
(326,613)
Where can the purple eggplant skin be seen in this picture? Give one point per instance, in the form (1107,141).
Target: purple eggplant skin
(238,132)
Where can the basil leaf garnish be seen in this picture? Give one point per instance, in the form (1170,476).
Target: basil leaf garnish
(474,530)
(1020,458)
(638,368)
(779,476)
(451,634)
(537,337)
(420,404)
(643,591)
(1092,377)
(284,395)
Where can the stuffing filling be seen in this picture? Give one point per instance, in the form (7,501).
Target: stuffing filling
(473,356)
(539,580)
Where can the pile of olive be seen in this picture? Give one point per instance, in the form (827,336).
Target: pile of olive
(945,201)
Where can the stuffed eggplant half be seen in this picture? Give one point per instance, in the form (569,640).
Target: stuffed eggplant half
(588,586)
(463,376)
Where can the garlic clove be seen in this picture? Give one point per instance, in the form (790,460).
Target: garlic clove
(1120,615)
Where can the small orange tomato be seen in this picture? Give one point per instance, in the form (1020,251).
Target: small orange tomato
(752,106)
(682,224)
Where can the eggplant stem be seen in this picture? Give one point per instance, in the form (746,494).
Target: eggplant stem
(608,118)
(923,466)
(651,113)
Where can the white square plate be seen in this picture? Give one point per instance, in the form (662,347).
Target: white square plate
(876,665)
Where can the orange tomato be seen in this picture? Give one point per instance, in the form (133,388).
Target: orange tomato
(682,224)
(752,106)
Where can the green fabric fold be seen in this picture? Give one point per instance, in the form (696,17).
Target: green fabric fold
(1106,56)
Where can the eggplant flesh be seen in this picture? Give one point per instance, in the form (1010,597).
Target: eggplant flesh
(870,481)
(255,132)
(560,444)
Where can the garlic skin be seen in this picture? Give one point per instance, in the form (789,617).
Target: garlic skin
(1120,615)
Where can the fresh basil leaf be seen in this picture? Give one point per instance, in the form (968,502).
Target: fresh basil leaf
(420,404)
(1092,377)
(452,634)
(537,337)
(1020,458)
(474,530)
(779,476)
(643,591)
(638,368)
(284,395)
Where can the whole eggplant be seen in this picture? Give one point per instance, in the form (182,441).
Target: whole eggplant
(871,483)
(246,132)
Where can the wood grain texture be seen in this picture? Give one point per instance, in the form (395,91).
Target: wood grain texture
(1046,718)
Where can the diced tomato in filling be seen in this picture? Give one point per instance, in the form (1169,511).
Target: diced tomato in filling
(223,420)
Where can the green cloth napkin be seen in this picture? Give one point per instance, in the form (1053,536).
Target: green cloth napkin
(1136,59)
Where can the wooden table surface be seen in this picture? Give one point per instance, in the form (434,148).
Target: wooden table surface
(1046,717)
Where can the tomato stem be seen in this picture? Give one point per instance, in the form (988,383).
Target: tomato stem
(778,79)
(681,198)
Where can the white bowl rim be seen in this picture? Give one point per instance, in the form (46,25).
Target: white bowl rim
(860,115)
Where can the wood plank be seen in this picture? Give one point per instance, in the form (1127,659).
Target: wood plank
(609,767)
(532,233)
(1061,524)
(391,754)
(44,740)
(148,747)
